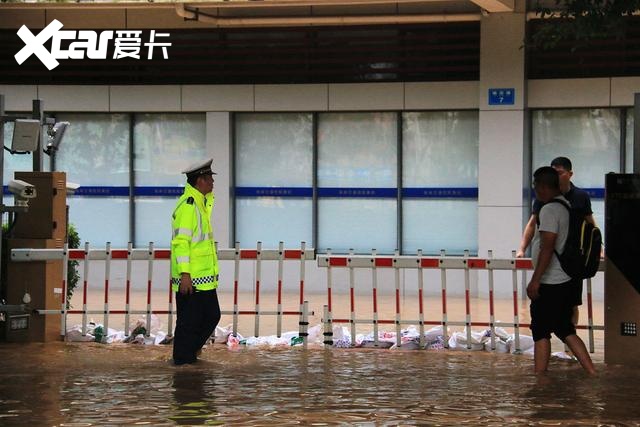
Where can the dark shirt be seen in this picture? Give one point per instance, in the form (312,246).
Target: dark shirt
(578,198)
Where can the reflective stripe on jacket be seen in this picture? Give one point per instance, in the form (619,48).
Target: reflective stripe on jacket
(192,246)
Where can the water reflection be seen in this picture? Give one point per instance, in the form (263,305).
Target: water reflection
(92,384)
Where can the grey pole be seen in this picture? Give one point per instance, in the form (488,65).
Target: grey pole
(38,114)
(1,180)
(636,133)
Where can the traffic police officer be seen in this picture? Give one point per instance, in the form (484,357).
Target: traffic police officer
(194,265)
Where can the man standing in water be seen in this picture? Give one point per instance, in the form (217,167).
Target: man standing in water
(194,265)
(580,201)
(550,290)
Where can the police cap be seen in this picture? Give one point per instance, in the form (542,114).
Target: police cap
(199,168)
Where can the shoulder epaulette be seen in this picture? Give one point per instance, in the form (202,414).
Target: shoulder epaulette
(190,200)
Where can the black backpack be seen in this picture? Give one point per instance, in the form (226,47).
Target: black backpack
(580,258)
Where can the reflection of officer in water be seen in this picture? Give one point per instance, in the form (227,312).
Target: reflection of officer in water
(193,403)
(194,265)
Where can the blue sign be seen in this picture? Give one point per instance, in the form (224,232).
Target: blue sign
(502,96)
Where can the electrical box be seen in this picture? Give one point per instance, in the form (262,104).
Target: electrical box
(43,226)
(622,275)
(47,214)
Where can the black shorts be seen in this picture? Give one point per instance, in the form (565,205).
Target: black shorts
(576,286)
(552,311)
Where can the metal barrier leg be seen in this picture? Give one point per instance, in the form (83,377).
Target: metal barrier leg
(302,274)
(257,290)
(304,325)
(492,319)
(236,275)
(467,301)
(516,317)
(107,273)
(328,327)
(85,288)
(127,292)
(374,282)
(420,298)
(149,285)
(65,272)
(398,320)
(443,281)
(352,300)
(279,296)
(590,317)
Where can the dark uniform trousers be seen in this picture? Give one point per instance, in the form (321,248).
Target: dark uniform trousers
(198,316)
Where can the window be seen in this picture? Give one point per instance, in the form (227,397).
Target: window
(357,180)
(440,180)
(274,178)
(589,137)
(95,154)
(164,145)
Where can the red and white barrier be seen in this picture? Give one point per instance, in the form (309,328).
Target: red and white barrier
(443,263)
(152,255)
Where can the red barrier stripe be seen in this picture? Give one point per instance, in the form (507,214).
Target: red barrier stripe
(375,300)
(444,301)
(341,320)
(338,262)
(420,301)
(386,322)
(162,254)
(106,291)
(329,300)
(63,296)
(397,301)
(170,292)
(127,291)
(119,254)
(291,313)
(292,254)
(84,292)
(257,292)
(384,262)
(466,301)
(248,254)
(148,292)
(429,262)
(247,312)
(477,263)
(515,303)
(432,322)
(235,292)
(479,323)
(352,302)
(76,254)
(589,306)
(491,303)
(279,291)
(524,264)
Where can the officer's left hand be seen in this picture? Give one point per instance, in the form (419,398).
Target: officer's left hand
(186,285)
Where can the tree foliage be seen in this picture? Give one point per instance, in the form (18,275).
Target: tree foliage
(581,21)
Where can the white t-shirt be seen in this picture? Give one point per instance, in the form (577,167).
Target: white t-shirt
(553,218)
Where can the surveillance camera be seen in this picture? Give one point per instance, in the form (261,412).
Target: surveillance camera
(71,188)
(55,137)
(23,191)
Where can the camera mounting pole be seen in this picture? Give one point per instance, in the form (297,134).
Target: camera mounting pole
(38,114)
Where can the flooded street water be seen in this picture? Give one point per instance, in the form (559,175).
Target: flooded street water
(81,384)
(91,384)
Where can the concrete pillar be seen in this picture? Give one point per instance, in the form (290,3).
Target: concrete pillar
(219,147)
(503,159)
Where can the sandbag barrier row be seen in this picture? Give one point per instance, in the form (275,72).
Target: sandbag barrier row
(151,255)
(443,263)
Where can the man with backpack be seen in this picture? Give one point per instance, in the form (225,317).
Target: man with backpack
(580,202)
(550,290)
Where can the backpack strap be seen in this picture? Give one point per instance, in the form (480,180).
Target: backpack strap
(563,203)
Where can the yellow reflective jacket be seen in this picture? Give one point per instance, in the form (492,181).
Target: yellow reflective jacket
(193,250)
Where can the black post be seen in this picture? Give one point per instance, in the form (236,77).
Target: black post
(636,133)
(38,114)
